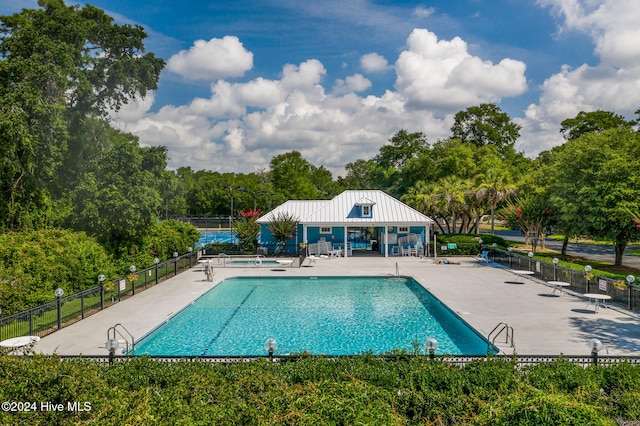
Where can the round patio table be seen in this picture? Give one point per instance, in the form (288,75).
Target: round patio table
(558,286)
(18,343)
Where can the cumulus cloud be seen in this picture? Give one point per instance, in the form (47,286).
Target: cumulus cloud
(212,60)
(442,76)
(611,85)
(373,62)
(242,125)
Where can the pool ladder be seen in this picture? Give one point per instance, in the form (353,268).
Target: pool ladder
(121,338)
(497,331)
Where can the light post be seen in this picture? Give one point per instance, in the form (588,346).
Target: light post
(59,292)
(480,242)
(432,346)
(596,346)
(587,270)
(630,280)
(112,345)
(494,245)
(175,263)
(530,254)
(155,262)
(132,278)
(101,279)
(510,258)
(255,200)
(270,345)
(555,265)
(190,250)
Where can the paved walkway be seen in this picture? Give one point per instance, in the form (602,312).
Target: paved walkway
(483,295)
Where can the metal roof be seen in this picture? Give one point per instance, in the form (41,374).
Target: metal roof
(343,210)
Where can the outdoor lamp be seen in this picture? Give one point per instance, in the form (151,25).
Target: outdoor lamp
(479,240)
(270,345)
(59,292)
(175,254)
(530,254)
(112,345)
(510,249)
(101,279)
(555,260)
(132,268)
(432,345)
(156,260)
(494,245)
(630,279)
(587,269)
(595,345)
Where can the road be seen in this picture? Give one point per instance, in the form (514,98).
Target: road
(588,251)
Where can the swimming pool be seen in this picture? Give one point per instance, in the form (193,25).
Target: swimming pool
(320,315)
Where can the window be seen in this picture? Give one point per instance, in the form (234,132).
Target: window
(366,211)
(325,229)
(403,229)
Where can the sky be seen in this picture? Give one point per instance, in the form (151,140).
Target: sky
(248,80)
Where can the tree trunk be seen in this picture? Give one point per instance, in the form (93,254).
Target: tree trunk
(619,249)
(565,243)
(493,212)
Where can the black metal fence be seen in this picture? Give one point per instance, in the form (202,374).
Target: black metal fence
(45,319)
(457,360)
(579,282)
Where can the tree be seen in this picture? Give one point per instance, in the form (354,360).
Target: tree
(60,67)
(596,177)
(247,230)
(486,124)
(119,200)
(291,175)
(592,122)
(402,147)
(532,215)
(283,227)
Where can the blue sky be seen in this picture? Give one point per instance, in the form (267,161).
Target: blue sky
(335,80)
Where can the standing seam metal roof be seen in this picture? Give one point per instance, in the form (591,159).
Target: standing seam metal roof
(340,210)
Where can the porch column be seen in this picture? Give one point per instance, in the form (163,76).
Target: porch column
(386,241)
(426,239)
(346,240)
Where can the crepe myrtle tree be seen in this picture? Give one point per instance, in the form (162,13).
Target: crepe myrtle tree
(247,230)
(531,215)
(283,227)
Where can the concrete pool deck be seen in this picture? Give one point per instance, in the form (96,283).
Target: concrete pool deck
(484,295)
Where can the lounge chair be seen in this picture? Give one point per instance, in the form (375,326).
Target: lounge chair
(483,257)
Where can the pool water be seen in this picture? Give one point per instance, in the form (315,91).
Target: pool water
(320,315)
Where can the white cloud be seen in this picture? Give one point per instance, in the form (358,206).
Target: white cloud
(242,125)
(423,12)
(373,62)
(442,76)
(611,85)
(212,60)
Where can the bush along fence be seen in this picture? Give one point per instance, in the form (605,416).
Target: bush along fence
(622,292)
(66,310)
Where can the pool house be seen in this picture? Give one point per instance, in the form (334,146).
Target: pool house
(354,221)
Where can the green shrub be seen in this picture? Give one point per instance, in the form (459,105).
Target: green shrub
(313,390)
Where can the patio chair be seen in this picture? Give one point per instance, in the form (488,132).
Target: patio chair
(483,257)
(404,250)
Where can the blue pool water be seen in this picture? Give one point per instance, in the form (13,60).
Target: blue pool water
(321,315)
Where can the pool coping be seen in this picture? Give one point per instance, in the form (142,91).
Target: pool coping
(479,294)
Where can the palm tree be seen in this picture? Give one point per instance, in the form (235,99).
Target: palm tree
(498,189)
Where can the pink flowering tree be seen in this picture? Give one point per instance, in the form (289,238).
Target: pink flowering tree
(531,215)
(247,230)
(283,228)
